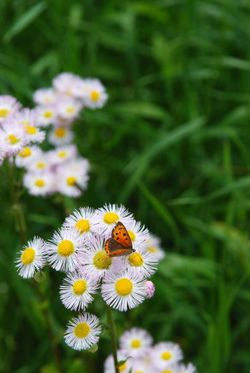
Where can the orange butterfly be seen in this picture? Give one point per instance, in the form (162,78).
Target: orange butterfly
(120,243)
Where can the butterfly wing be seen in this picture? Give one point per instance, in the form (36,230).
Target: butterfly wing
(114,248)
(121,236)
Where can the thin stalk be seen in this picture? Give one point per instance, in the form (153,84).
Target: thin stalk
(113,338)
(21,227)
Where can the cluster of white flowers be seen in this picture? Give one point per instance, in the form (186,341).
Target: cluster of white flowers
(60,169)
(137,354)
(78,249)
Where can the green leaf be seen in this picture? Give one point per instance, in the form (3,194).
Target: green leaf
(24,21)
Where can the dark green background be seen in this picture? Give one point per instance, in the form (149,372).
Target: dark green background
(172,144)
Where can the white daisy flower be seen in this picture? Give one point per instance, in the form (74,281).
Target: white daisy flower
(64,83)
(124,363)
(63,154)
(8,106)
(27,155)
(45,115)
(138,233)
(141,366)
(68,108)
(189,368)
(60,136)
(41,163)
(123,291)
(93,259)
(81,220)
(32,258)
(94,94)
(45,96)
(12,137)
(141,263)
(166,353)
(136,342)
(107,217)
(83,332)
(39,184)
(77,290)
(27,119)
(62,250)
(70,181)
(153,246)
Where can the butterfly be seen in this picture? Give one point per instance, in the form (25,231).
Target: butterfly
(120,243)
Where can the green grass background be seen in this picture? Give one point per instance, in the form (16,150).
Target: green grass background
(172,144)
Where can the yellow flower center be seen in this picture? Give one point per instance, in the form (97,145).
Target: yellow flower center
(48,114)
(101,260)
(95,95)
(39,183)
(132,235)
(135,259)
(28,255)
(166,355)
(4,112)
(167,371)
(60,132)
(40,165)
(124,286)
(25,152)
(136,343)
(79,287)
(13,139)
(122,367)
(71,180)
(61,154)
(110,217)
(31,130)
(70,110)
(82,225)
(152,250)
(65,248)
(82,330)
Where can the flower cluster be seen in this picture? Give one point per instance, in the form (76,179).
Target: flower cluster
(60,169)
(137,354)
(89,248)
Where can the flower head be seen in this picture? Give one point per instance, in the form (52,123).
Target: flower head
(82,332)
(136,342)
(31,258)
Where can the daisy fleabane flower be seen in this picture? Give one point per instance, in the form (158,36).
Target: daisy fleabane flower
(107,217)
(62,250)
(136,342)
(71,180)
(60,136)
(93,93)
(83,332)
(165,354)
(26,155)
(189,368)
(137,232)
(153,247)
(81,220)
(93,259)
(8,106)
(12,137)
(77,291)
(141,263)
(31,258)
(123,291)
(39,183)
(124,363)
(65,83)
(44,96)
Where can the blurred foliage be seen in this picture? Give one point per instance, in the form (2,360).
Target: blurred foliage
(172,144)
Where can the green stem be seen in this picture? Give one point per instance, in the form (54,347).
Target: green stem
(113,338)
(21,227)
